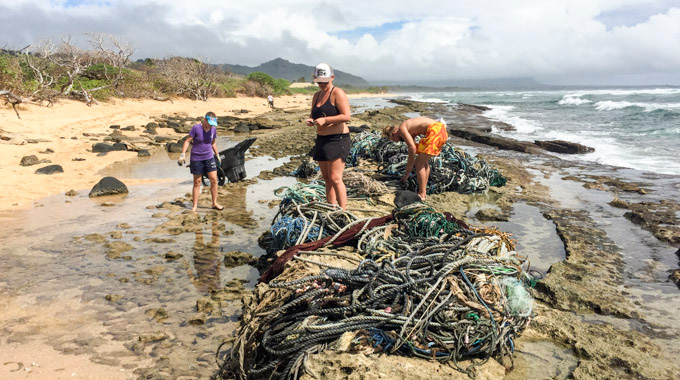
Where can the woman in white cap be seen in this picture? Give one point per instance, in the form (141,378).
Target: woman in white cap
(330,113)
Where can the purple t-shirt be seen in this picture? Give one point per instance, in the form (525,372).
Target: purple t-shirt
(202,144)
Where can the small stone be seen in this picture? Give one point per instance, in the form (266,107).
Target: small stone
(113,297)
(143,153)
(78,159)
(157,314)
(157,336)
(490,214)
(171,256)
(236,258)
(159,240)
(116,248)
(29,160)
(50,169)
(124,226)
(98,238)
(116,235)
(197,321)
(71,193)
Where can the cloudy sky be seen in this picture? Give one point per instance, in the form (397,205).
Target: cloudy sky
(555,42)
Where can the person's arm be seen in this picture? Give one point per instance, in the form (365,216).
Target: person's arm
(214,147)
(408,139)
(185,146)
(310,121)
(342,104)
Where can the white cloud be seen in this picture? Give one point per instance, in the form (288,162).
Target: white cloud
(556,41)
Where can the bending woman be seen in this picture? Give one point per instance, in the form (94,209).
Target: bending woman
(330,113)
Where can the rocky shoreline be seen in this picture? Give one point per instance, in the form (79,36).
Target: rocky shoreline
(600,309)
(587,284)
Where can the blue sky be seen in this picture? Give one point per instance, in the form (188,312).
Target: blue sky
(554,41)
(379,32)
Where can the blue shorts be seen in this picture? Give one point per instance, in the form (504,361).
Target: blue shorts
(203,167)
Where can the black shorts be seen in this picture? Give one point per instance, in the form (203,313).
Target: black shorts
(331,147)
(203,166)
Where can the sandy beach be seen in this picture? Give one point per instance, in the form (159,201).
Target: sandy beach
(61,128)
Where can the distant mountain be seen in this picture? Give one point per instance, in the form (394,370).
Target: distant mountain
(281,68)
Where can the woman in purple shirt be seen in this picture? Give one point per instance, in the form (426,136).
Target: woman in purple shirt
(202,161)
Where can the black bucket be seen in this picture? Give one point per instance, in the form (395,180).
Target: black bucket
(231,163)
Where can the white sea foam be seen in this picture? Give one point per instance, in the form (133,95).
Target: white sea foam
(609,105)
(609,151)
(621,92)
(502,113)
(573,100)
(424,99)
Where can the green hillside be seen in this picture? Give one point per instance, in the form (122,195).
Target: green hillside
(281,68)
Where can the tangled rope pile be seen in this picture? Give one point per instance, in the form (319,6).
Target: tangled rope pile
(299,223)
(300,193)
(359,184)
(452,170)
(450,293)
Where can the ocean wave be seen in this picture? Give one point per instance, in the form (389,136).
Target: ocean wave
(502,114)
(610,105)
(609,151)
(573,100)
(422,99)
(621,92)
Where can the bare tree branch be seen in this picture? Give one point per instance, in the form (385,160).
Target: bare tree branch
(13,100)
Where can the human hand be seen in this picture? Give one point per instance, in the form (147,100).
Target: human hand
(181,160)
(320,121)
(309,121)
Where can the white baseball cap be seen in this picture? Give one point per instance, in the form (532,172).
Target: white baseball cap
(323,73)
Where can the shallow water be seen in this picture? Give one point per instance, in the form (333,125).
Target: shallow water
(46,273)
(648,261)
(536,236)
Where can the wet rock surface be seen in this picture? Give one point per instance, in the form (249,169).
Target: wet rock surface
(564,147)
(50,169)
(660,218)
(108,186)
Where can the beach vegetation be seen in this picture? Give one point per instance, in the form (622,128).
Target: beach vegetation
(49,70)
(261,78)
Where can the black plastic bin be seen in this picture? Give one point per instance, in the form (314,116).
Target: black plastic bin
(231,163)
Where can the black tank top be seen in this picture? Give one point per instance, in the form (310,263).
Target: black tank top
(326,109)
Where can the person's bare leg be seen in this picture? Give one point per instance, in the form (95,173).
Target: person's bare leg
(212,176)
(422,173)
(196,191)
(337,167)
(326,174)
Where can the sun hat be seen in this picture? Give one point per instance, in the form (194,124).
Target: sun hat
(323,73)
(211,120)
